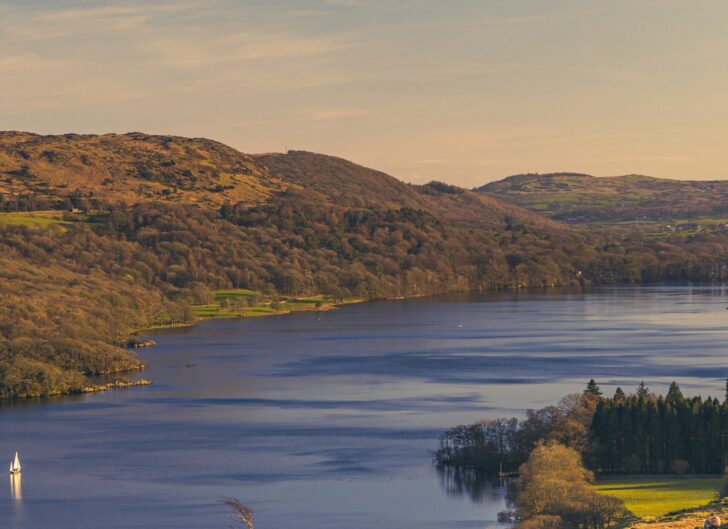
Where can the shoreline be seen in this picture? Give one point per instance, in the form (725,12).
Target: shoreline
(252,313)
(309,304)
(125,384)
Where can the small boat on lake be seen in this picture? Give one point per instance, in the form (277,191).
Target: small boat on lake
(15,465)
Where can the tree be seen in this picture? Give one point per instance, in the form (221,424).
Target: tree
(554,485)
(550,480)
(240,511)
(598,511)
(642,392)
(593,389)
(674,395)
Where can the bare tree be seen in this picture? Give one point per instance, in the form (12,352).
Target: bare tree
(240,512)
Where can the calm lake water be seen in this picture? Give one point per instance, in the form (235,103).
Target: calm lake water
(327,421)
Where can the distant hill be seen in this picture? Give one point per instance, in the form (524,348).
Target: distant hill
(576,198)
(347,184)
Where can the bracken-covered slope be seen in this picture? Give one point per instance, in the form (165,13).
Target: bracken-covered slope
(135,167)
(574,197)
(350,185)
(130,168)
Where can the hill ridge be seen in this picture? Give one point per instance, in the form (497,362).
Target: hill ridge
(136,167)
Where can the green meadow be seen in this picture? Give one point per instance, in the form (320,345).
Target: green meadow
(41,219)
(243,303)
(652,498)
(47,218)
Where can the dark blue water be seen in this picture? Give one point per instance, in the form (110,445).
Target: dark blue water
(327,421)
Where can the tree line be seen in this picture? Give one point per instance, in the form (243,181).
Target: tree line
(644,433)
(505,444)
(634,434)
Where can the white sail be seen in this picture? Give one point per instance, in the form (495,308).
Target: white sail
(15,465)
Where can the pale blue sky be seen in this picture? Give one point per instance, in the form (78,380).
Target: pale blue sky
(460,91)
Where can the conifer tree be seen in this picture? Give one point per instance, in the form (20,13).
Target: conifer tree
(642,391)
(674,395)
(593,389)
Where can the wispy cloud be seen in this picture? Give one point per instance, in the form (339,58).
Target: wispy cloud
(331,113)
(347,3)
(113,11)
(197,49)
(180,47)
(25,62)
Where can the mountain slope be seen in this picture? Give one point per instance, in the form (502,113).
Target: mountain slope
(130,168)
(574,197)
(135,167)
(350,185)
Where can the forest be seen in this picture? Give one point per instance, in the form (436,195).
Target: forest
(639,433)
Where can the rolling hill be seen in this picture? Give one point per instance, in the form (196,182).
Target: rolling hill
(349,185)
(130,168)
(137,168)
(581,198)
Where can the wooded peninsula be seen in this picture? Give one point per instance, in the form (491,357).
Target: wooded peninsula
(557,451)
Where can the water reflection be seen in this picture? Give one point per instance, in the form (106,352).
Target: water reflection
(479,486)
(16,487)
(317,415)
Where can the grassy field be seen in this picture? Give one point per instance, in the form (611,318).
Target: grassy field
(690,519)
(44,219)
(652,498)
(244,303)
(41,219)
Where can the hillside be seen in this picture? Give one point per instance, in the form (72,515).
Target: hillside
(129,168)
(578,198)
(104,236)
(56,172)
(353,186)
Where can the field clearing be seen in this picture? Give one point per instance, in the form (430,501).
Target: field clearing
(243,303)
(41,219)
(47,218)
(651,498)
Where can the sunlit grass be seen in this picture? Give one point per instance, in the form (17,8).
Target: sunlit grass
(41,219)
(232,303)
(651,498)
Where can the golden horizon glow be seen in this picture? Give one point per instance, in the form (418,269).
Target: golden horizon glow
(464,92)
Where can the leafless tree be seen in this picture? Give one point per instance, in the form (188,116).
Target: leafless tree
(240,512)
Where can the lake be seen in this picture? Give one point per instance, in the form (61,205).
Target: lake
(328,420)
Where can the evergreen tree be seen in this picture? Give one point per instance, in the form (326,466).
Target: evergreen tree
(646,434)
(642,392)
(593,389)
(674,395)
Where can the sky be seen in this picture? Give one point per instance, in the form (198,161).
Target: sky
(461,91)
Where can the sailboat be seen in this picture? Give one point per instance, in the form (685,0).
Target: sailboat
(15,465)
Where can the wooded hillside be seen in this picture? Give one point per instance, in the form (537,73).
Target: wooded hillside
(102,236)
